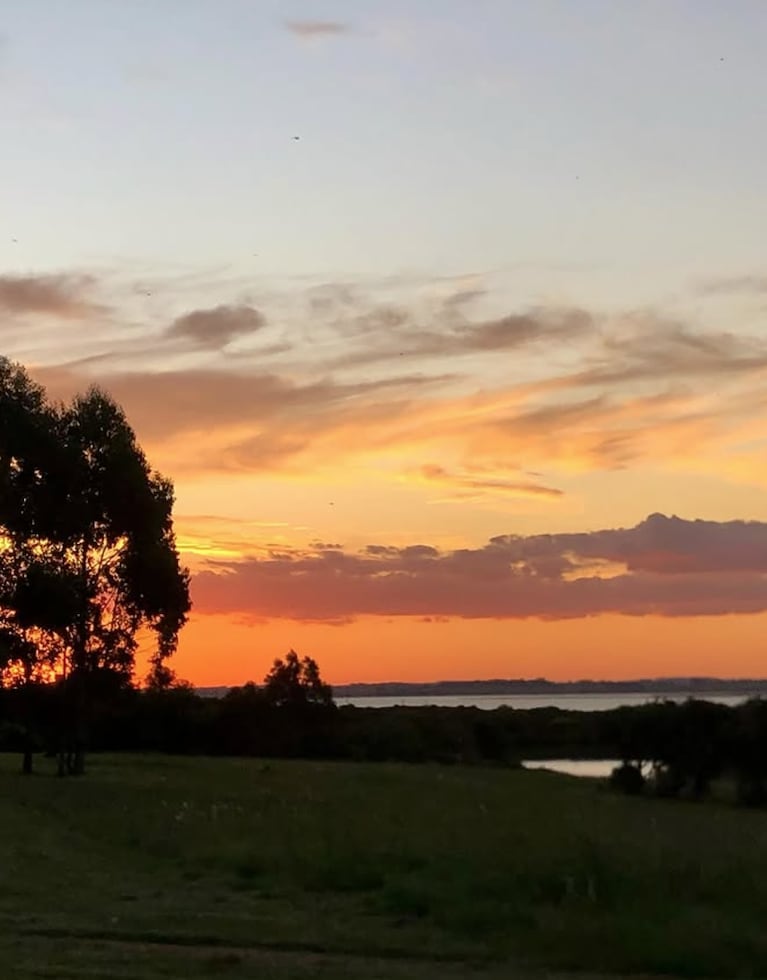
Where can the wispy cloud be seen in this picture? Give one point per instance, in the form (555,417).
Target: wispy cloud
(251,420)
(316,28)
(376,333)
(610,415)
(507,333)
(432,381)
(204,536)
(64,296)
(649,347)
(727,285)
(215,328)
(663,566)
(470,485)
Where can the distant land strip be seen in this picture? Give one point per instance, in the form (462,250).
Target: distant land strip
(539,686)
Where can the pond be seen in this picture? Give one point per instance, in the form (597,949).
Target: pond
(575,767)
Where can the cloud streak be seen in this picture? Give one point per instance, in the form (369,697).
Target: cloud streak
(64,296)
(316,28)
(756,284)
(251,421)
(390,332)
(469,485)
(427,382)
(215,328)
(664,566)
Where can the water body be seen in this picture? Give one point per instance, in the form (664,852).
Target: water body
(569,702)
(599,768)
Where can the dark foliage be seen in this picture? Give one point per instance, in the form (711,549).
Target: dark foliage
(685,746)
(88,558)
(627,778)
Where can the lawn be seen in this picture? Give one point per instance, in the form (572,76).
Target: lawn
(154,867)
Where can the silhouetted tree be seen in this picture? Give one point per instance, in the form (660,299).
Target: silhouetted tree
(88,559)
(296,682)
(627,778)
(36,592)
(692,751)
(747,749)
(300,717)
(115,520)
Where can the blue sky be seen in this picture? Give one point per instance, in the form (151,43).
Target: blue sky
(452,137)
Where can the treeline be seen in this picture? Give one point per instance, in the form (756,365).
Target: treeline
(660,687)
(674,750)
(667,748)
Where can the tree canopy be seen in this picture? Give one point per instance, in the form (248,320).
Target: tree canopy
(88,557)
(296,682)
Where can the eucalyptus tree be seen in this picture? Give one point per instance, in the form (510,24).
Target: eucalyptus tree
(88,558)
(35,593)
(116,524)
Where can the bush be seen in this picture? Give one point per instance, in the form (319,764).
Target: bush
(668,782)
(627,779)
(750,790)
(12,737)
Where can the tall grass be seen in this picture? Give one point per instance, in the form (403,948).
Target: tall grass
(385,860)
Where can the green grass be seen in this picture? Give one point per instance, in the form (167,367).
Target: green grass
(154,867)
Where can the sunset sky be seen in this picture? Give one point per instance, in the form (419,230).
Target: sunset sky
(446,319)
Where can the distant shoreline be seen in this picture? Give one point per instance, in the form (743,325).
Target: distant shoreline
(539,686)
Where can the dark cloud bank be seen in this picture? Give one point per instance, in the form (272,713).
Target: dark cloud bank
(664,566)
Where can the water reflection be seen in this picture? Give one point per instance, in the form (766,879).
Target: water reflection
(575,767)
(567,702)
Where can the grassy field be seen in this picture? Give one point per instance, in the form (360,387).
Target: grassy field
(156,867)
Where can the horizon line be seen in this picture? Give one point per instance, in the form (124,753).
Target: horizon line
(669,679)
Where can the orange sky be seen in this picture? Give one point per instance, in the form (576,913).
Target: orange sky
(467,380)
(217,650)
(545,491)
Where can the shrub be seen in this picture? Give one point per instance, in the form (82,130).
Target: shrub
(627,778)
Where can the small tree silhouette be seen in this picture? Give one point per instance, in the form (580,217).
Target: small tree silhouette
(296,682)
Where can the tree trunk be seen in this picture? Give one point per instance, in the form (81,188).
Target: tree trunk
(79,675)
(26,762)
(77,760)
(79,730)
